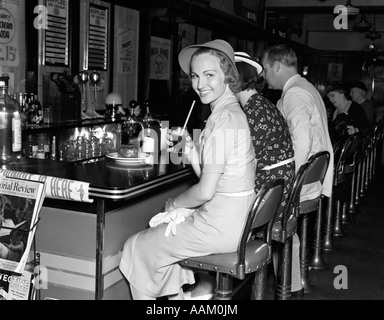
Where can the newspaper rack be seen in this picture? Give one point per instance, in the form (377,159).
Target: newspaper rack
(35,260)
(51,185)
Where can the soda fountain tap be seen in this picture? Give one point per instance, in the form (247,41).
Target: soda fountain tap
(83,80)
(131,120)
(95,78)
(148,118)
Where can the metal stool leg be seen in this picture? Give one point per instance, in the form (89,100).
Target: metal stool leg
(317,261)
(304,253)
(284,273)
(366,180)
(345,219)
(362,184)
(223,286)
(328,236)
(259,284)
(338,226)
(351,206)
(358,183)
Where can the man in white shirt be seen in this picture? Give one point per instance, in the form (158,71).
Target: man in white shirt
(303,108)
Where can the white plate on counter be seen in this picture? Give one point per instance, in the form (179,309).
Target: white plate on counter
(127,161)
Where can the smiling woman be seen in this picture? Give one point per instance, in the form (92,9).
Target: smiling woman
(218,203)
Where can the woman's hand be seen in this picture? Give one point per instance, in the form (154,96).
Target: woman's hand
(187,146)
(186,140)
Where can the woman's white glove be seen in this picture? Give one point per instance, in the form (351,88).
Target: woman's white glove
(172,218)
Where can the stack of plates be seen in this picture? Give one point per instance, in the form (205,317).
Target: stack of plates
(142,160)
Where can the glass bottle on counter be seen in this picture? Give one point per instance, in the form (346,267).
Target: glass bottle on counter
(53,148)
(43,147)
(30,147)
(23,110)
(10,126)
(38,119)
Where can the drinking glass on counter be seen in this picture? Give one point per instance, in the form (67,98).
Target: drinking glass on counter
(178,136)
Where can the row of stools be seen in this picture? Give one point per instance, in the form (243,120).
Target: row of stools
(355,165)
(355,162)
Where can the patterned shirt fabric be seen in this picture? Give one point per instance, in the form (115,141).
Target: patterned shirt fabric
(271,143)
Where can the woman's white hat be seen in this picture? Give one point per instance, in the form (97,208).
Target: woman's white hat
(218,44)
(245,57)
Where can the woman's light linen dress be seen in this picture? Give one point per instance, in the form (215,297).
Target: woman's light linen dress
(150,260)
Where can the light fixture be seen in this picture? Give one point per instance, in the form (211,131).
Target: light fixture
(363,25)
(373,35)
(351,9)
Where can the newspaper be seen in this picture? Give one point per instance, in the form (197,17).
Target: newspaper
(17,287)
(20,204)
(56,188)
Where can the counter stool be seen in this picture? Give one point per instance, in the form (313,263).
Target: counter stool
(328,228)
(338,192)
(253,254)
(373,148)
(319,163)
(282,232)
(378,139)
(354,158)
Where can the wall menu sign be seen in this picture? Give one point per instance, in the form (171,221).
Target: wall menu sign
(249,9)
(98,38)
(56,36)
(9,35)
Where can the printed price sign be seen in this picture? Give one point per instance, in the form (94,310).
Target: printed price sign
(9,36)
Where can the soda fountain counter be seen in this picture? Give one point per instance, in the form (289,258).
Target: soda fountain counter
(81,243)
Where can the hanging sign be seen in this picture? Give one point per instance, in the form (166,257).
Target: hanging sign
(56,38)
(9,35)
(98,38)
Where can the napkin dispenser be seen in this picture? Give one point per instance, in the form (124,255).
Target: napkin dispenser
(63,97)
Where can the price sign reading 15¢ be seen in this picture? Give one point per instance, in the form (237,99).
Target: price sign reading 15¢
(9,37)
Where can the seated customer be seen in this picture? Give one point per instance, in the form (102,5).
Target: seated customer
(349,117)
(270,134)
(358,94)
(221,199)
(271,138)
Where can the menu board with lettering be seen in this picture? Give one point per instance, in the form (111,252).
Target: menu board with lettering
(56,38)
(98,38)
(9,35)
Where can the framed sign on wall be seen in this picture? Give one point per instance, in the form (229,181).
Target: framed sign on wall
(98,34)
(56,36)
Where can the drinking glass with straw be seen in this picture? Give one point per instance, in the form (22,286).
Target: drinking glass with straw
(177,133)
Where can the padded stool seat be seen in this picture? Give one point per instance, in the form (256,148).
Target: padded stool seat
(277,232)
(256,255)
(252,255)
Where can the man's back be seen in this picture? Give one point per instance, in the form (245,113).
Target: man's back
(303,108)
